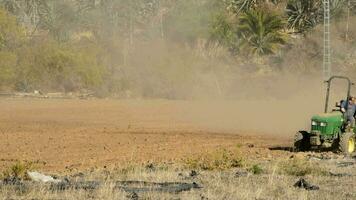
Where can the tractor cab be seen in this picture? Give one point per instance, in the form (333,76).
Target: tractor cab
(329,129)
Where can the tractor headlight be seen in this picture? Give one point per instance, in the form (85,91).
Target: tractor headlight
(314,123)
(322,124)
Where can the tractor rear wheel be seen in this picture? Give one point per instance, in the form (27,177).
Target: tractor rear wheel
(301,141)
(347,143)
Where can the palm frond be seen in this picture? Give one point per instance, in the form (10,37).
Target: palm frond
(261,32)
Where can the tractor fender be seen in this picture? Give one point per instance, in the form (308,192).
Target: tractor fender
(304,133)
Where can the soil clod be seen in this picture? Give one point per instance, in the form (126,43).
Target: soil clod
(193,173)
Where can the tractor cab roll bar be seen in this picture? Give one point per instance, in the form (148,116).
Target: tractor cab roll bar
(328,90)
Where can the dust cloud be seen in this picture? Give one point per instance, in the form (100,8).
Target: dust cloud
(276,96)
(213,90)
(279,107)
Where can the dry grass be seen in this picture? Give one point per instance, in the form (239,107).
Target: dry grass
(216,185)
(266,180)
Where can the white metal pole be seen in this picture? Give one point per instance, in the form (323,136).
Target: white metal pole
(327,45)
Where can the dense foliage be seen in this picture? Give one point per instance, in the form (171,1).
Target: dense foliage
(152,48)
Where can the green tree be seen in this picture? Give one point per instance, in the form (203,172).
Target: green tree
(11,34)
(261,33)
(223,30)
(11,37)
(49,65)
(7,69)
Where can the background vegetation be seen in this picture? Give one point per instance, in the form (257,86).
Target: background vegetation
(165,48)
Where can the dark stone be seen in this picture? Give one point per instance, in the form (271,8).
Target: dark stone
(302,183)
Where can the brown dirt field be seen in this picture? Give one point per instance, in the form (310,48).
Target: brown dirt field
(66,135)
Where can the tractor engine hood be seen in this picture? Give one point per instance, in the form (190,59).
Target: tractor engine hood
(327,124)
(333,117)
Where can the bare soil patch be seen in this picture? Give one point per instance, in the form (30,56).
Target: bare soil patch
(67,135)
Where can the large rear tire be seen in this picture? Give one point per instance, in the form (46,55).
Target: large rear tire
(302,141)
(347,143)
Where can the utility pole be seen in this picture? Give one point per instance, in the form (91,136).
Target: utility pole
(348,21)
(327,45)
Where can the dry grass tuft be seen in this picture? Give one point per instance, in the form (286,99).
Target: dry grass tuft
(18,170)
(220,159)
(301,167)
(256,169)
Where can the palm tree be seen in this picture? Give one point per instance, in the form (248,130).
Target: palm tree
(303,14)
(261,33)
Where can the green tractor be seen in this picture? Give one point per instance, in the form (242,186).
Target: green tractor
(329,130)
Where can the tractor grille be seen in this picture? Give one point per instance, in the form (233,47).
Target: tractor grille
(321,129)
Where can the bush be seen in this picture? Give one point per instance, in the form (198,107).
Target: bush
(51,66)
(11,33)
(18,170)
(7,68)
(218,160)
(301,167)
(256,169)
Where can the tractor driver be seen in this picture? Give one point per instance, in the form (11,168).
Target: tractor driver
(350,110)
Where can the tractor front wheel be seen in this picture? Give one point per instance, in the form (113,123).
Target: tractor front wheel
(347,143)
(301,141)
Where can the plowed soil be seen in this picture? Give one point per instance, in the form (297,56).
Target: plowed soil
(60,135)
